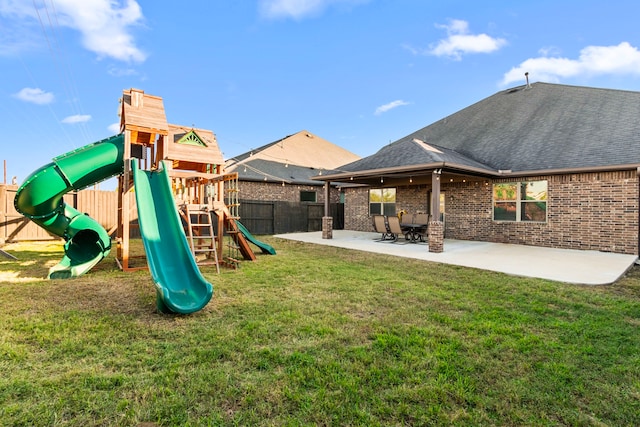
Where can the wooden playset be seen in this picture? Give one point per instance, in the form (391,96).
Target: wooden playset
(206,197)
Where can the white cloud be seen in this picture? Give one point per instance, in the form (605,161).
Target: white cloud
(16,34)
(593,60)
(78,118)
(549,51)
(17,8)
(114,128)
(35,95)
(298,9)
(104,25)
(390,106)
(122,72)
(460,41)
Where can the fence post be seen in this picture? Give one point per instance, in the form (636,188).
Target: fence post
(3,214)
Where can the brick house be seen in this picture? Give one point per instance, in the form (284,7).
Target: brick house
(542,164)
(274,181)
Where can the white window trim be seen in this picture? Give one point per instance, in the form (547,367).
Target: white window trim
(381,203)
(519,202)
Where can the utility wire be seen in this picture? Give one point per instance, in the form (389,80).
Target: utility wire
(74,95)
(53,113)
(60,62)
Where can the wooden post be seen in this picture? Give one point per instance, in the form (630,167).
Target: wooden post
(3,214)
(436,227)
(326,198)
(125,211)
(435,194)
(327,220)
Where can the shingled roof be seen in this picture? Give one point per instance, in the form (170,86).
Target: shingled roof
(538,128)
(265,170)
(301,148)
(410,153)
(292,159)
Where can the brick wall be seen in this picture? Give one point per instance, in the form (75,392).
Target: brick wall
(356,209)
(356,206)
(270,191)
(412,199)
(469,212)
(595,211)
(590,211)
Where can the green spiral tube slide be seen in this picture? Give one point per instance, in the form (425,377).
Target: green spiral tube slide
(40,198)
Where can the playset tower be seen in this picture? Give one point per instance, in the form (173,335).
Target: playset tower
(205,196)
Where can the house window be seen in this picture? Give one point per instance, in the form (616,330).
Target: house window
(520,201)
(308,196)
(382,201)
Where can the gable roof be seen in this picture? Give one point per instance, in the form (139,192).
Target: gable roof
(538,128)
(265,170)
(292,159)
(411,153)
(190,148)
(302,148)
(189,138)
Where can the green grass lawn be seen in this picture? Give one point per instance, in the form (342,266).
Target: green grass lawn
(316,336)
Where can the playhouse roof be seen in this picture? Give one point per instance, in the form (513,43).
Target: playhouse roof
(191,149)
(143,112)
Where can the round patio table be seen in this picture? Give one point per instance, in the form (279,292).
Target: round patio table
(412,232)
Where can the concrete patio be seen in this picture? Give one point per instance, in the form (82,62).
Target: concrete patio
(562,265)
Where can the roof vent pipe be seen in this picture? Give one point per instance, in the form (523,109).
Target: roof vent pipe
(526,75)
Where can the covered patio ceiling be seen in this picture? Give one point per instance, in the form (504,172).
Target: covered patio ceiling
(413,175)
(419,178)
(446,172)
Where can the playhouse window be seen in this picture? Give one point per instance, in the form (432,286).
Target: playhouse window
(382,201)
(520,201)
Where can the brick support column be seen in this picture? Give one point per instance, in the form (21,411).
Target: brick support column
(327,227)
(436,236)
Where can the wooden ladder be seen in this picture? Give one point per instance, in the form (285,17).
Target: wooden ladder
(202,238)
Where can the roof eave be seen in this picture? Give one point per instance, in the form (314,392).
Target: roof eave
(564,171)
(474,170)
(406,169)
(277,180)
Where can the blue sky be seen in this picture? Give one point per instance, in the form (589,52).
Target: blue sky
(359,73)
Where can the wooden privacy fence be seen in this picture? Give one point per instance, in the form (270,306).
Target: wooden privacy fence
(264,217)
(259,217)
(98,204)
